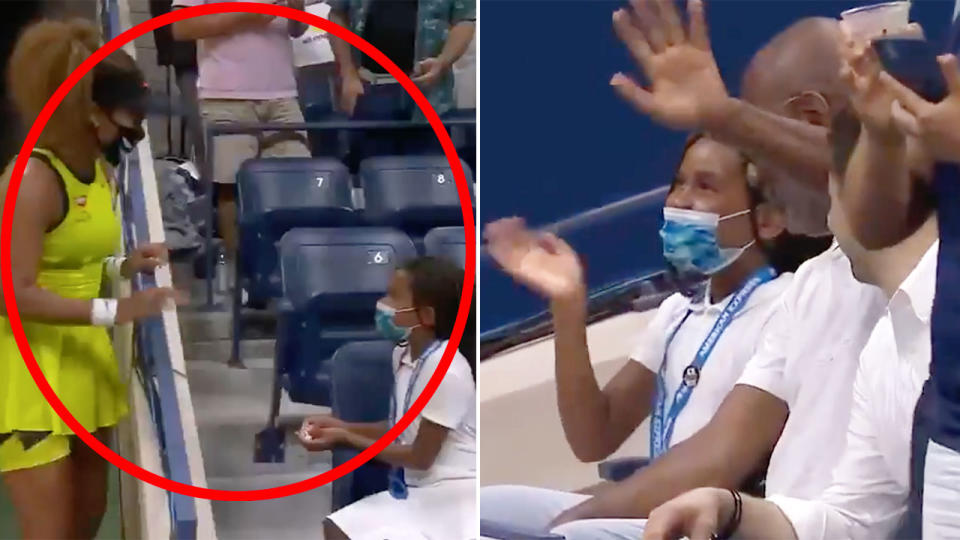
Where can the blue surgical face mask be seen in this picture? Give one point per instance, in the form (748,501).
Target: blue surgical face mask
(690,241)
(387,326)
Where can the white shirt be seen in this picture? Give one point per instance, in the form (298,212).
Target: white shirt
(453,406)
(868,495)
(732,350)
(808,359)
(313,47)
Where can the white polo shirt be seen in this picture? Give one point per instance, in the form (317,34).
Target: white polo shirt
(453,406)
(868,495)
(724,365)
(808,359)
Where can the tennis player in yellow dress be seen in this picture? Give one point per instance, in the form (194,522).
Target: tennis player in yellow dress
(65,235)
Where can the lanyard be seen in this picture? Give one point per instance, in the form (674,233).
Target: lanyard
(421,361)
(661,426)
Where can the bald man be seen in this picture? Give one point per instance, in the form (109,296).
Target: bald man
(790,89)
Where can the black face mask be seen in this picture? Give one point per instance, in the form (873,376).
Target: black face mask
(123,144)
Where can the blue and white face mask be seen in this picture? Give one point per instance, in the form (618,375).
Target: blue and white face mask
(387,326)
(690,241)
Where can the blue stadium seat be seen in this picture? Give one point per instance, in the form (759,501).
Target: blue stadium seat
(362,380)
(279,194)
(619,469)
(332,279)
(413,193)
(446,242)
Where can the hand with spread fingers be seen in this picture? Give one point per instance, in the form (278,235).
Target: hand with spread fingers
(871,100)
(541,261)
(686,90)
(936,124)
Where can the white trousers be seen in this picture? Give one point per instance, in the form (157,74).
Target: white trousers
(941,493)
(530,508)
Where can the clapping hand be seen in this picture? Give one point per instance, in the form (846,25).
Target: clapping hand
(686,90)
(541,261)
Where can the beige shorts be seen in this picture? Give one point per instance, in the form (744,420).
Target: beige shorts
(230,151)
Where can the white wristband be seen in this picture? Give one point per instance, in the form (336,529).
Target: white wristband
(104,312)
(112,267)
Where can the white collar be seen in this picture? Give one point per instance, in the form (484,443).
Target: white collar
(700,302)
(919,287)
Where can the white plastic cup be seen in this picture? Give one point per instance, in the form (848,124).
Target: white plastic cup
(876,20)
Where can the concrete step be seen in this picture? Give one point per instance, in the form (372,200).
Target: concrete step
(289,518)
(232,406)
(228,453)
(199,325)
(219,350)
(225,395)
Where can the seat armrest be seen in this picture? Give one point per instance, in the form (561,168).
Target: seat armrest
(616,470)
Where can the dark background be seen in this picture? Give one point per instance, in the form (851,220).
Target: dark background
(14,16)
(556,140)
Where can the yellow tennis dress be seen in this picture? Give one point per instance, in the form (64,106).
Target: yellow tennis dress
(78,361)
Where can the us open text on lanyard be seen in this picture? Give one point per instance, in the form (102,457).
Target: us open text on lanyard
(662,422)
(397,481)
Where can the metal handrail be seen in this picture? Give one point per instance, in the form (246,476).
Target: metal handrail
(156,369)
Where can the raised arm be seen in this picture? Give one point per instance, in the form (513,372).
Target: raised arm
(296,28)
(879,188)
(687,93)
(725,453)
(935,124)
(595,421)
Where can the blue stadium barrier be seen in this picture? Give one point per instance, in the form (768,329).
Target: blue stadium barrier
(152,357)
(362,377)
(447,242)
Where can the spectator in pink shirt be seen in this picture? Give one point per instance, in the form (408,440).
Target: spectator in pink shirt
(246,75)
